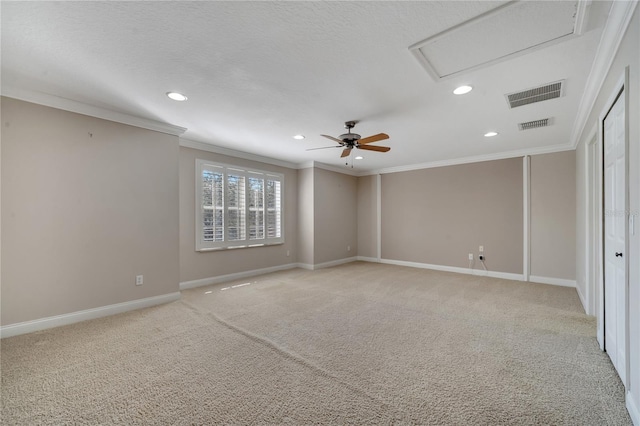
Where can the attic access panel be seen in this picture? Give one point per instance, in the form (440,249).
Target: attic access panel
(500,34)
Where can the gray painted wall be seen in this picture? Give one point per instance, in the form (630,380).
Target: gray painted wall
(367,217)
(87,204)
(305,216)
(335,216)
(198,265)
(440,215)
(553,215)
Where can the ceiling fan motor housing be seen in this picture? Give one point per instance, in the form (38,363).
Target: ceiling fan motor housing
(350,137)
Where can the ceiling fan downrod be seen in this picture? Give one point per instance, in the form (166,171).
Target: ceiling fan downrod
(350,138)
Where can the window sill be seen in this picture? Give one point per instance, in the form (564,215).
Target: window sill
(205,250)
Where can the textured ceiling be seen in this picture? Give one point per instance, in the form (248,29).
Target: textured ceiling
(257,73)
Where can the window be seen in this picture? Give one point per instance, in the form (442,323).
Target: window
(237,207)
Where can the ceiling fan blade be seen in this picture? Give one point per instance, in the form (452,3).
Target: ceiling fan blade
(333,139)
(325,147)
(374,148)
(346,152)
(374,138)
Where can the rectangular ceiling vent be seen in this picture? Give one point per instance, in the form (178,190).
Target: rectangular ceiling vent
(534,124)
(537,94)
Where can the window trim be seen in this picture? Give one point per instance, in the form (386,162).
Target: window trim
(201,245)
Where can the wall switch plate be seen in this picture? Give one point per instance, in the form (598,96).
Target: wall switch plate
(481,249)
(139,279)
(470,256)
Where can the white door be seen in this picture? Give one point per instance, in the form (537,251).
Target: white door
(614,235)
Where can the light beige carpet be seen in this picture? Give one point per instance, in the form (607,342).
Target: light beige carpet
(357,344)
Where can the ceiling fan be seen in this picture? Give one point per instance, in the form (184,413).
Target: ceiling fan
(349,140)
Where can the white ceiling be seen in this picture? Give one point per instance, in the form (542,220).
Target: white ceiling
(257,73)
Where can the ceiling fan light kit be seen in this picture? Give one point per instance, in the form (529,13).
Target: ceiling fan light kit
(348,141)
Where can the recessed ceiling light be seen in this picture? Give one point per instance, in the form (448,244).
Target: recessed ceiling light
(462,90)
(299,137)
(359,157)
(490,134)
(176,96)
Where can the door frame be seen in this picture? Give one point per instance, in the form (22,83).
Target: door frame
(593,202)
(596,218)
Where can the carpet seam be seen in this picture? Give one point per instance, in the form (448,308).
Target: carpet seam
(298,359)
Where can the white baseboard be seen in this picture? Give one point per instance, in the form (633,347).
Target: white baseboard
(477,272)
(307,266)
(582,299)
(553,281)
(367,259)
(74,317)
(335,262)
(634,413)
(313,267)
(235,276)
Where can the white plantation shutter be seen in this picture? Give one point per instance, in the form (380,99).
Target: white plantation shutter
(274,212)
(237,207)
(236,224)
(212,203)
(256,208)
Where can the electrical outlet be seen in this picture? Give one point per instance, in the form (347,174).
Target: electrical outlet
(481,249)
(348,248)
(288,253)
(470,256)
(139,279)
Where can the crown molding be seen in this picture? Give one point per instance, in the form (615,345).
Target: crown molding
(616,26)
(306,165)
(335,169)
(90,110)
(328,167)
(474,159)
(203,146)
